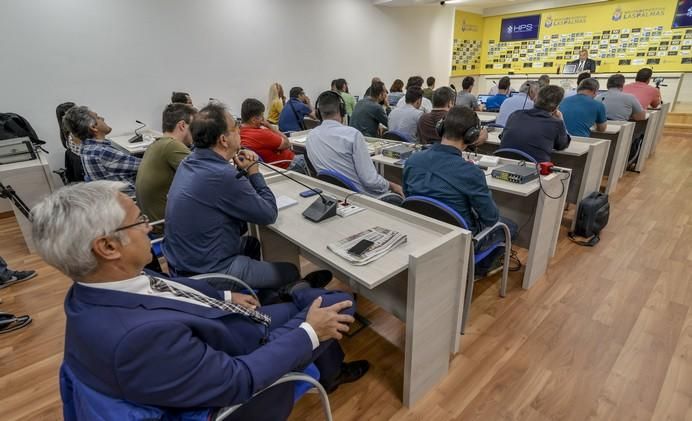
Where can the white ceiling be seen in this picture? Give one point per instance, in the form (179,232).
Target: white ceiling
(488,7)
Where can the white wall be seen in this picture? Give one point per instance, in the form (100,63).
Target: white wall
(123,58)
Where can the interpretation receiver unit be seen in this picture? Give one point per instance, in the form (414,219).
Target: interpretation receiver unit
(518,174)
(398,151)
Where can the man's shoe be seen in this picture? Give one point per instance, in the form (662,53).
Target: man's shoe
(16,277)
(319,278)
(350,372)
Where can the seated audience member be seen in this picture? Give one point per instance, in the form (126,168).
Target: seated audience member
(573,91)
(582,111)
(296,109)
(426,105)
(405,119)
(209,208)
(523,100)
(162,159)
(540,130)
(647,95)
(503,91)
(369,114)
(443,100)
(331,145)
(373,80)
(277,99)
(543,80)
(100,159)
(619,105)
(443,174)
(465,98)
(180,344)
(396,92)
(428,91)
(349,100)
(181,98)
(261,137)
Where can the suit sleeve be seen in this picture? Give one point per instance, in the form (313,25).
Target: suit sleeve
(166,364)
(249,199)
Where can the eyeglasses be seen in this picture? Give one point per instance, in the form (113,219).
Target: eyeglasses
(141,220)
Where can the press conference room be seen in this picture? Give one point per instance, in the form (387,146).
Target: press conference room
(346,210)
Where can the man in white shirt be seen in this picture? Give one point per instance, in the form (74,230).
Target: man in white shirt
(519,101)
(404,120)
(426,104)
(142,338)
(331,145)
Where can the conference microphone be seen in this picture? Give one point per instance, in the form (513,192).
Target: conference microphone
(321,209)
(137,137)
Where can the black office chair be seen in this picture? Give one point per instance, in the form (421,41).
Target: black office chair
(310,123)
(511,153)
(398,136)
(312,172)
(339,179)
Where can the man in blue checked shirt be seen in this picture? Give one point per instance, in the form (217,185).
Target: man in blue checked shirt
(100,159)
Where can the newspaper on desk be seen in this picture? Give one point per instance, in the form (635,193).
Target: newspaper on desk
(384,240)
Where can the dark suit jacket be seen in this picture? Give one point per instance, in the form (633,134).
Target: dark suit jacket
(169,353)
(589,65)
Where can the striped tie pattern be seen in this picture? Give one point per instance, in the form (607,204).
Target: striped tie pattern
(163,286)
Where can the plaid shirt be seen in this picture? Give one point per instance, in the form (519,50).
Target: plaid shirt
(102,161)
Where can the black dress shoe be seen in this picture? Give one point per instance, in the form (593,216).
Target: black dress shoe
(319,278)
(350,372)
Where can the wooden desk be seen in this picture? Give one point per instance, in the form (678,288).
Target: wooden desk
(665,108)
(487,117)
(537,215)
(121,141)
(32,180)
(585,157)
(652,119)
(620,136)
(421,282)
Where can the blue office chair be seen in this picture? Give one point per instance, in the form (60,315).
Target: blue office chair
(512,153)
(338,179)
(398,136)
(80,402)
(435,209)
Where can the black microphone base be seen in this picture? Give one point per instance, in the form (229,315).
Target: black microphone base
(321,210)
(136,139)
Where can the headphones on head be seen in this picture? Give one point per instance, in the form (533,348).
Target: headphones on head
(342,104)
(471,134)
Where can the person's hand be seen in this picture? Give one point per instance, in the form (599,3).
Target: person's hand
(247,301)
(396,189)
(306,100)
(266,124)
(557,114)
(246,160)
(327,322)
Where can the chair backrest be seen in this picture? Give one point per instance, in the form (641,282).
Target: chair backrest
(434,209)
(338,179)
(512,153)
(311,123)
(395,135)
(80,402)
(312,172)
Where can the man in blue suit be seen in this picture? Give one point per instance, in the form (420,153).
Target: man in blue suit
(178,344)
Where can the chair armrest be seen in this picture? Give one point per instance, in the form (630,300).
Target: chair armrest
(289,377)
(481,235)
(227,277)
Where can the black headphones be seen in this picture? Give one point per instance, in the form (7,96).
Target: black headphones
(470,136)
(342,104)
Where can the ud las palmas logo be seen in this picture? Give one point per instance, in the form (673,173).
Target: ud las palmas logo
(617,14)
(548,21)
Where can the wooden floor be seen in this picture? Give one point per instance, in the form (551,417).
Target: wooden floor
(606,334)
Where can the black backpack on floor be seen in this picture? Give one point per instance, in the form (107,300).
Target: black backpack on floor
(592,216)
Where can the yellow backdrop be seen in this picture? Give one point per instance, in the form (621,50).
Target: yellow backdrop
(623,35)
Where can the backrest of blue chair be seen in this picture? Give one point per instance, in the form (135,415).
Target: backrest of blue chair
(338,179)
(512,153)
(399,136)
(80,402)
(435,209)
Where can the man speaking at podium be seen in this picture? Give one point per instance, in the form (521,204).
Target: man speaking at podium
(584,63)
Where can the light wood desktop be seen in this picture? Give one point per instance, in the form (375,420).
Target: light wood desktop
(421,282)
(121,141)
(665,108)
(586,158)
(32,181)
(537,215)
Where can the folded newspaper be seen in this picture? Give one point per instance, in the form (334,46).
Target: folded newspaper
(384,240)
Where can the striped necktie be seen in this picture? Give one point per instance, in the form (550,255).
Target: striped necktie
(162,286)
